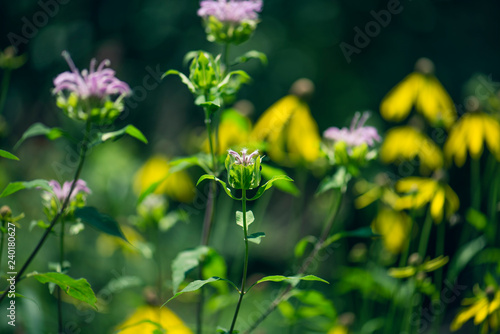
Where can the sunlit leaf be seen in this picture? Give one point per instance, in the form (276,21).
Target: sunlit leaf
(269,172)
(338,180)
(184,79)
(256,237)
(249,217)
(16,186)
(79,289)
(38,129)
(224,185)
(102,222)
(251,55)
(268,185)
(184,262)
(193,286)
(8,155)
(129,130)
(302,244)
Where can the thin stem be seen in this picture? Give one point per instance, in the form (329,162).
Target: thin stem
(406,250)
(424,237)
(2,240)
(307,262)
(475,177)
(245,265)
(493,208)
(83,152)
(61,262)
(438,276)
(5,88)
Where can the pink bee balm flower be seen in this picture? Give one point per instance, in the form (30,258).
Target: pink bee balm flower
(234,11)
(62,192)
(100,82)
(356,135)
(243,159)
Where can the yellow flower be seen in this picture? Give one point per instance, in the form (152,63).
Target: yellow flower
(290,132)
(177,186)
(413,270)
(338,329)
(484,307)
(394,227)
(147,319)
(406,143)
(422,90)
(469,133)
(420,191)
(370,192)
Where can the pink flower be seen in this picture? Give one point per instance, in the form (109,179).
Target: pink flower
(98,83)
(243,159)
(234,11)
(62,192)
(356,135)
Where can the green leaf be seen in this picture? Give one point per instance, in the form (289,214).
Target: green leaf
(193,286)
(269,172)
(294,280)
(239,218)
(38,129)
(256,238)
(184,262)
(16,186)
(251,55)
(8,155)
(224,185)
(102,222)
(268,185)
(129,130)
(463,256)
(363,232)
(215,265)
(244,75)
(79,289)
(338,180)
(184,79)
(476,219)
(302,244)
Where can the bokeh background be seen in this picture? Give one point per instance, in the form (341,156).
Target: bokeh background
(300,38)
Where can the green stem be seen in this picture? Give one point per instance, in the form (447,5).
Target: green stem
(438,276)
(208,125)
(245,264)
(307,262)
(424,236)
(2,240)
(5,88)
(83,153)
(406,251)
(61,263)
(475,177)
(493,208)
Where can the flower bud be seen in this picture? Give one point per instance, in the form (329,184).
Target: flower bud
(243,171)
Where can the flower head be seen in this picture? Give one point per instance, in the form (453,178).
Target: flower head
(89,92)
(394,227)
(230,10)
(62,192)
(357,134)
(244,159)
(243,170)
(469,134)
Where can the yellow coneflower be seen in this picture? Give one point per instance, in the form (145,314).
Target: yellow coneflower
(289,131)
(420,191)
(415,268)
(406,143)
(150,319)
(469,134)
(177,186)
(370,192)
(422,90)
(484,307)
(394,227)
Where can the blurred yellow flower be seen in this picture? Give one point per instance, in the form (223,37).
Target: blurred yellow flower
(484,307)
(148,319)
(406,143)
(107,244)
(394,227)
(370,192)
(177,186)
(412,270)
(469,133)
(290,132)
(419,191)
(422,90)
(338,329)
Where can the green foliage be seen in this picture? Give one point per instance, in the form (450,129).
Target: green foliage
(269,172)
(115,135)
(193,286)
(252,54)
(184,262)
(16,186)
(301,246)
(268,185)
(243,175)
(224,186)
(363,232)
(256,237)
(249,218)
(476,219)
(463,256)
(38,129)
(339,180)
(102,222)
(215,265)
(293,280)
(79,289)
(8,155)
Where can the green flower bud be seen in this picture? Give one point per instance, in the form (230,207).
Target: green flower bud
(229,32)
(243,171)
(204,71)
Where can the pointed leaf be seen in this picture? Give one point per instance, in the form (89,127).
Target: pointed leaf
(184,262)
(228,77)
(338,180)
(302,244)
(463,256)
(129,129)
(8,155)
(38,129)
(16,186)
(184,79)
(294,280)
(193,286)
(256,238)
(268,185)
(363,232)
(79,289)
(269,172)
(224,185)
(239,218)
(253,54)
(102,222)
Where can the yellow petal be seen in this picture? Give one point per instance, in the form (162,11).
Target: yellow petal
(475,136)
(437,205)
(434,103)
(492,135)
(303,136)
(397,104)
(463,316)
(274,119)
(146,319)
